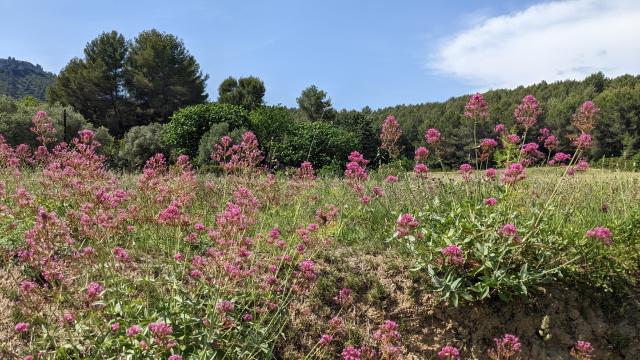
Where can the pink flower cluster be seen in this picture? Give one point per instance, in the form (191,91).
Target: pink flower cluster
(389,136)
(505,347)
(449,353)
(405,225)
(432,136)
(514,173)
(527,112)
(453,255)
(476,108)
(601,233)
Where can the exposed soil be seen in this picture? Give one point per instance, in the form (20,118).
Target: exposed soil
(427,324)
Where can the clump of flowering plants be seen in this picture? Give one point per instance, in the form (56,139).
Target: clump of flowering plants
(480,245)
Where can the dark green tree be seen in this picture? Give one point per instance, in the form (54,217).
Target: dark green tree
(247,92)
(162,76)
(95,85)
(314,104)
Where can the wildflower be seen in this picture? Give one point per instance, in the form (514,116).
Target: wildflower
(449,353)
(476,108)
(115,327)
(490,201)
(582,350)
(27,286)
(421,154)
(351,353)
(585,117)
(421,170)
(405,225)
(387,332)
(488,144)
(175,357)
(466,171)
(391,179)
(306,172)
(527,112)
(307,267)
(389,135)
(601,233)
(195,274)
(22,327)
(68,317)
(325,339)
(513,138)
(43,128)
(453,254)
(120,254)
(225,306)
(514,173)
(160,330)
(377,191)
(582,165)
(344,297)
(530,148)
(28,357)
(143,345)
(178,256)
(505,347)
(583,141)
(432,136)
(499,128)
(336,324)
(93,290)
(508,230)
(560,157)
(491,173)
(133,330)
(247,317)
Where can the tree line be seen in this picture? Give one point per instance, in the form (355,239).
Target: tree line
(150,92)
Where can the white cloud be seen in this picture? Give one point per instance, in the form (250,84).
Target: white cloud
(550,41)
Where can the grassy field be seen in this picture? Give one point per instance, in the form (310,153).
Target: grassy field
(168,263)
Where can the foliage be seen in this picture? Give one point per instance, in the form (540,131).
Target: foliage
(16,122)
(19,79)
(314,104)
(318,142)
(140,143)
(120,84)
(161,76)
(212,137)
(187,125)
(247,92)
(271,124)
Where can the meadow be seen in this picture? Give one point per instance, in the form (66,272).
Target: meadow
(523,261)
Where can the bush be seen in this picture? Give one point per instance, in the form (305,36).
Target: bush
(189,124)
(140,143)
(271,124)
(317,142)
(15,123)
(212,137)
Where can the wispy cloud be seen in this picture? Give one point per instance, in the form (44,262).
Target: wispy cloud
(550,41)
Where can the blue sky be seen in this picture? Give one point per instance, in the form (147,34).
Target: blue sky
(375,53)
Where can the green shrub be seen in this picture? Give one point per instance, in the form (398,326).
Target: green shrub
(318,142)
(189,124)
(212,137)
(15,123)
(271,124)
(140,143)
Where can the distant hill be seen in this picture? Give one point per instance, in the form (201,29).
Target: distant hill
(21,78)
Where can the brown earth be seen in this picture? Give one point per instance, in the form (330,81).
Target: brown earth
(387,290)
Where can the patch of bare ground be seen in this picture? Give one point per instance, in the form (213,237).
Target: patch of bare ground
(386,289)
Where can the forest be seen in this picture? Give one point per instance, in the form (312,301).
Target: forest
(149,94)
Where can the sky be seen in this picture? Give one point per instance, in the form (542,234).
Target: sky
(371,52)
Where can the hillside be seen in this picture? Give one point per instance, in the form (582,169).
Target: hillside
(22,78)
